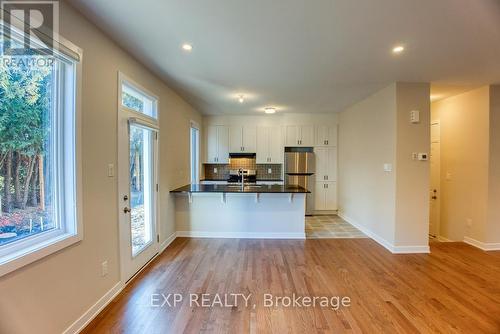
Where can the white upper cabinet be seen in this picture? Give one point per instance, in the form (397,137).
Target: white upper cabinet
(326,135)
(299,135)
(242,139)
(269,145)
(326,163)
(217,144)
(276,150)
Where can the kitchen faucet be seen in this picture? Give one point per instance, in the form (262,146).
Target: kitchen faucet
(240,172)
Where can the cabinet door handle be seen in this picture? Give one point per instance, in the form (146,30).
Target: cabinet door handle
(324,142)
(326,177)
(326,186)
(327,142)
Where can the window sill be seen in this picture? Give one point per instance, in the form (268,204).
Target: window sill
(16,260)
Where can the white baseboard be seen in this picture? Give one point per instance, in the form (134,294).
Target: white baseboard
(94,310)
(440,238)
(240,235)
(486,246)
(411,249)
(167,242)
(386,244)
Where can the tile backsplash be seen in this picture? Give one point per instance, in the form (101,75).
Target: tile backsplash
(262,169)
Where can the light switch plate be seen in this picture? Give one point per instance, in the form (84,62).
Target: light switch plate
(215,171)
(387,168)
(415,116)
(269,171)
(111,170)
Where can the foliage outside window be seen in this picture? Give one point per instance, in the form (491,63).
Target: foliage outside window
(38,151)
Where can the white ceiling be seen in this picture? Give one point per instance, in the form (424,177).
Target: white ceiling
(303,55)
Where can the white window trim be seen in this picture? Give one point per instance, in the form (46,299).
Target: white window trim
(196,126)
(25,252)
(140,119)
(123,79)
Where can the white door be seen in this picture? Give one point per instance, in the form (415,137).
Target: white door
(332,164)
(235,139)
(222,144)
(276,152)
(331,196)
(137,188)
(321,135)
(263,145)
(319,196)
(332,136)
(321,154)
(291,135)
(435,161)
(249,139)
(307,135)
(211,144)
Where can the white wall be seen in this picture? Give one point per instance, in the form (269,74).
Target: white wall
(493,226)
(272,120)
(392,207)
(464,121)
(413,177)
(47,296)
(367,134)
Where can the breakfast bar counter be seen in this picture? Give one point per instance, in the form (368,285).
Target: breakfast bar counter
(230,211)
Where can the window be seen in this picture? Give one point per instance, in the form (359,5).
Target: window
(195,153)
(135,99)
(38,155)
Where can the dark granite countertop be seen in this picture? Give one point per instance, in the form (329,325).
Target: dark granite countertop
(232,188)
(258,180)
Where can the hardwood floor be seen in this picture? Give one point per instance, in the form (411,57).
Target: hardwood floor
(455,289)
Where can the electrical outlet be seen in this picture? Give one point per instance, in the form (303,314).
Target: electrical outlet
(469,222)
(449,176)
(215,171)
(104,268)
(269,171)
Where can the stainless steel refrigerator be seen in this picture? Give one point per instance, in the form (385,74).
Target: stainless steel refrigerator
(299,171)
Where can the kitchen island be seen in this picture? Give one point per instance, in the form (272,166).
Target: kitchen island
(230,211)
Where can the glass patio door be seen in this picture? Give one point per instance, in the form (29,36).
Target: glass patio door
(141,182)
(138,133)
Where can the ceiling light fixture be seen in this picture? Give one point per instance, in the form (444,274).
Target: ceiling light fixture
(398,49)
(187,47)
(241,98)
(270,110)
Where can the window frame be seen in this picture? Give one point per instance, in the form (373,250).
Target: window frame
(194,125)
(28,250)
(125,81)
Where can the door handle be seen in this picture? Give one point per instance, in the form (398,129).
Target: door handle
(125,198)
(126,210)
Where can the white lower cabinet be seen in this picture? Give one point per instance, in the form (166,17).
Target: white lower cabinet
(325,197)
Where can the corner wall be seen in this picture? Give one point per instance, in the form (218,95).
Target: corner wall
(367,194)
(49,295)
(413,177)
(392,206)
(493,215)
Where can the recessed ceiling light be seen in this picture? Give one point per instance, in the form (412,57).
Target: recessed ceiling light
(270,110)
(241,98)
(187,47)
(398,49)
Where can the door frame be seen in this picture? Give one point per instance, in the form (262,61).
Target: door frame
(438,222)
(152,123)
